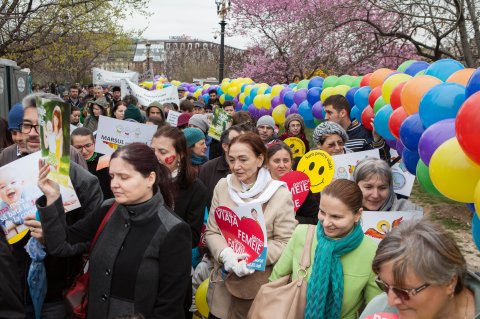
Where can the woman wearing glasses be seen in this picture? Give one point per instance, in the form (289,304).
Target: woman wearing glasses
(331,138)
(340,279)
(424,275)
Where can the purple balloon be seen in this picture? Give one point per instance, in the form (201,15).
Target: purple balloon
(287,112)
(251,109)
(317,110)
(433,137)
(300,96)
(276,101)
(294,109)
(263,111)
(392,143)
(400,147)
(283,92)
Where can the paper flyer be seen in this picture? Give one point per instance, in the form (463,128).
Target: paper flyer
(376,224)
(145,97)
(54,121)
(112,133)
(102,77)
(172,118)
(18,193)
(221,121)
(244,230)
(402,179)
(345,164)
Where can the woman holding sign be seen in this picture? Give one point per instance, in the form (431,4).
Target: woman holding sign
(280,159)
(340,279)
(141,260)
(374,177)
(241,246)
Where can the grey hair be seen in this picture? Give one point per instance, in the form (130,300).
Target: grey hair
(372,166)
(426,249)
(31,99)
(327,128)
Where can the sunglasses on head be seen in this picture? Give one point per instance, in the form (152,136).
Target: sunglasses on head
(403,294)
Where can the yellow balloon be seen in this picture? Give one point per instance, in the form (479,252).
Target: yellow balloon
(476,198)
(341,89)
(224,87)
(276,89)
(278,114)
(258,101)
(327,92)
(267,99)
(232,91)
(241,98)
(319,167)
(453,173)
(248,89)
(201,299)
(147,85)
(206,86)
(391,83)
(176,83)
(222,99)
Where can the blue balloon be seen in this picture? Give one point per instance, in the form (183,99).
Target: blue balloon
(315,82)
(219,91)
(410,132)
(476,230)
(441,102)
(443,68)
(410,159)
(355,113)
(313,95)
(243,87)
(471,206)
(245,107)
(351,96)
(310,124)
(416,67)
(253,93)
(305,110)
(380,122)
(248,100)
(288,99)
(268,90)
(292,85)
(473,85)
(228,97)
(361,97)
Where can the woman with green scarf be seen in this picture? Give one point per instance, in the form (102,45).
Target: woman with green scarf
(196,142)
(340,279)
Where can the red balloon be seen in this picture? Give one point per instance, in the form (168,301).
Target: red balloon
(374,95)
(396,120)
(395,97)
(367,117)
(366,80)
(467,127)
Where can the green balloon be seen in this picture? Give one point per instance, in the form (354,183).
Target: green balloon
(303,84)
(405,65)
(421,72)
(345,80)
(317,121)
(356,81)
(379,103)
(424,179)
(330,81)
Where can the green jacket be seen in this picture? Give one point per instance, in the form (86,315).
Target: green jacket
(359,280)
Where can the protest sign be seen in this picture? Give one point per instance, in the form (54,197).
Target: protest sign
(296,145)
(221,121)
(104,77)
(145,97)
(299,185)
(113,133)
(319,167)
(244,230)
(54,121)
(383,315)
(402,179)
(18,193)
(172,118)
(345,164)
(377,224)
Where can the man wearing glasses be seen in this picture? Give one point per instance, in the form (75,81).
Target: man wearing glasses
(83,140)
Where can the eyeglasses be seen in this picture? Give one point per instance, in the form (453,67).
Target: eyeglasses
(86,146)
(403,294)
(26,128)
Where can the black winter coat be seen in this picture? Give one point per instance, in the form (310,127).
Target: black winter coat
(10,301)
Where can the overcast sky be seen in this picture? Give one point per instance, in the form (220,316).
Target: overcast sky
(196,18)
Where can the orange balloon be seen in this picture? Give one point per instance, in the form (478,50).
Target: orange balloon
(461,76)
(379,76)
(414,90)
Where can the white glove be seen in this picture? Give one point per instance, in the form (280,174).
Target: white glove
(230,259)
(240,269)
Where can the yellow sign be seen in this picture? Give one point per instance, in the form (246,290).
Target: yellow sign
(296,145)
(319,167)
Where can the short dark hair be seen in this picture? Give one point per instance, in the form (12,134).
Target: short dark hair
(243,117)
(347,192)
(116,89)
(237,128)
(115,107)
(74,108)
(186,106)
(91,86)
(74,87)
(130,100)
(81,131)
(191,98)
(228,103)
(338,102)
(212,91)
(158,121)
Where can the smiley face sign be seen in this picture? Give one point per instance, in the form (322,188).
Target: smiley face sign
(319,167)
(296,145)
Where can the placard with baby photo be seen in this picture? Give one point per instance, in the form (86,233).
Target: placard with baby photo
(18,193)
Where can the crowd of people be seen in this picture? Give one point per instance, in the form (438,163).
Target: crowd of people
(159,240)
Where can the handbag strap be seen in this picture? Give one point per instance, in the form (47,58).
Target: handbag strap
(102,224)
(305,261)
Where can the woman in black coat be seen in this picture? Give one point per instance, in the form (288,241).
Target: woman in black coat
(141,260)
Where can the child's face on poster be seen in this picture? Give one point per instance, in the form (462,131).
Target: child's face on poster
(10,187)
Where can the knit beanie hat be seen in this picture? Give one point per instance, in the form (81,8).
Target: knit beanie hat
(328,128)
(266,120)
(294,117)
(183,119)
(193,135)
(132,112)
(200,121)
(15,117)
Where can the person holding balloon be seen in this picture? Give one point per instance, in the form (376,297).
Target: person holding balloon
(374,177)
(295,127)
(337,109)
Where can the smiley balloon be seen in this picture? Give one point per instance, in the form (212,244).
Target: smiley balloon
(296,145)
(319,167)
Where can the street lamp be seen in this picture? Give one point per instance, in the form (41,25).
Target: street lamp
(148,45)
(222,9)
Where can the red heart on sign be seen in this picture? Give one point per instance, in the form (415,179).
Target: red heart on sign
(382,315)
(244,236)
(299,185)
